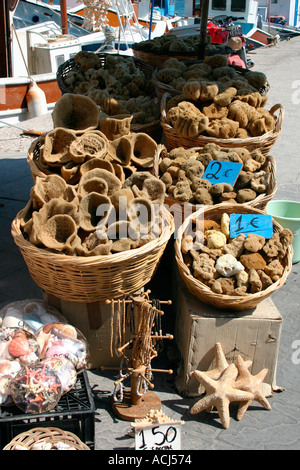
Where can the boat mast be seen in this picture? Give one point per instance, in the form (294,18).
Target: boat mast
(7,7)
(63,16)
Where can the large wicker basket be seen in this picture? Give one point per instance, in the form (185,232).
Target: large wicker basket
(153,129)
(203,292)
(93,278)
(49,435)
(264,142)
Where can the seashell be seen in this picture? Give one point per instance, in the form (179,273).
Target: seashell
(59,232)
(34,308)
(94,209)
(69,330)
(41,445)
(8,367)
(4,389)
(13,318)
(57,350)
(19,346)
(76,112)
(4,354)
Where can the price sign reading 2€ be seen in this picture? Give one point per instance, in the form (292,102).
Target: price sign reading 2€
(159,437)
(259,224)
(222,172)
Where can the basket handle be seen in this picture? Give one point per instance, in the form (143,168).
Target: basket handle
(163,106)
(273,110)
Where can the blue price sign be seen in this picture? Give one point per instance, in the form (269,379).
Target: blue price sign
(259,224)
(222,172)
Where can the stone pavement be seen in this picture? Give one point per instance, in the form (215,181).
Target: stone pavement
(278,429)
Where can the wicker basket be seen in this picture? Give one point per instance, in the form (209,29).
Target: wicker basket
(49,435)
(157,60)
(204,293)
(179,207)
(153,129)
(264,142)
(93,278)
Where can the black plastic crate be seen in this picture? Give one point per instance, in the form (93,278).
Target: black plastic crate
(75,412)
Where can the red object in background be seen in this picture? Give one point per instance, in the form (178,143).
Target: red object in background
(237,61)
(218,34)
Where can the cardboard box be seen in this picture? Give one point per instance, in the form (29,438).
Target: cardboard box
(254,334)
(94,321)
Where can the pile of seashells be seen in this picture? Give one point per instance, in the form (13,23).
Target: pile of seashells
(40,356)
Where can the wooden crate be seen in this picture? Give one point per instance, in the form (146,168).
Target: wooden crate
(254,334)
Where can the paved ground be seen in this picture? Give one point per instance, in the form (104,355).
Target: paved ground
(259,429)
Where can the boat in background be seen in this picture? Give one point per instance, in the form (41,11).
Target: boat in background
(41,40)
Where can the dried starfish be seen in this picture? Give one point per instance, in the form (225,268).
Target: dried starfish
(252,384)
(221,364)
(220,393)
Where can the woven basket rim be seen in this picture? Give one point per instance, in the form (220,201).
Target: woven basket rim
(235,141)
(82,261)
(201,287)
(49,434)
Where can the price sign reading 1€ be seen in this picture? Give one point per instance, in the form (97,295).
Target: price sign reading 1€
(222,172)
(158,437)
(259,224)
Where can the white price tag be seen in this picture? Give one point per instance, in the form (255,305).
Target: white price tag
(158,437)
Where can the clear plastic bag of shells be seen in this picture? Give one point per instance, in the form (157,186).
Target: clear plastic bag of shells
(18,344)
(60,340)
(29,314)
(36,388)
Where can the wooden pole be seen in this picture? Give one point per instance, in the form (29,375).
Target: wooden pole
(203,29)
(63,16)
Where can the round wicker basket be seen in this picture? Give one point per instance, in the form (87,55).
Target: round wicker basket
(49,435)
(153,129)
(203,292)
(264,142)
(93,278)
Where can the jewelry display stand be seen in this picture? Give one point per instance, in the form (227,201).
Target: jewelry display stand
(145,321)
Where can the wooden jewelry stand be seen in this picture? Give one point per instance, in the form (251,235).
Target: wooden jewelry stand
(137,401)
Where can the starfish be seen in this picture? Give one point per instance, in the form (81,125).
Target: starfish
(221,364)
(220,393)
(252,384)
